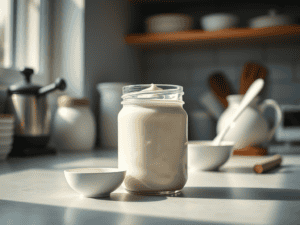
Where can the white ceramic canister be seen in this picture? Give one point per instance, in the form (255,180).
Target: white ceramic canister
(153,138)
(109,107)
(74,126)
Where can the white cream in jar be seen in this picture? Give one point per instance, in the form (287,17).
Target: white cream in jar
(152,139)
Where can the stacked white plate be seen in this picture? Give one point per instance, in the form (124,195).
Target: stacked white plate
(6,134)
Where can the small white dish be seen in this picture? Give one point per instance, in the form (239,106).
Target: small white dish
(95,182)
(203,155)
(219,21)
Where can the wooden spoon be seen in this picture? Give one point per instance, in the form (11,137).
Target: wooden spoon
(251,72)
(220,87)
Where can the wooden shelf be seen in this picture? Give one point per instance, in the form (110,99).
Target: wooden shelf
(246,36)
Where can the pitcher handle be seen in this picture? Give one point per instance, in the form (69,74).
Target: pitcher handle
(273,104)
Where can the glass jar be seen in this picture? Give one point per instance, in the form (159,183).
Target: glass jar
(152,139)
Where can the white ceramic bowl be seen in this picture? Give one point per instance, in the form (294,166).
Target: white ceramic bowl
(95,182)
(168,23)
(271,20)
(218,21)
(202,155)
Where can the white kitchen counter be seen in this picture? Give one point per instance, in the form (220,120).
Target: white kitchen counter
(34,191)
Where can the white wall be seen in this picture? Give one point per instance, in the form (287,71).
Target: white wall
(107,57)
(89,46)
(68,44)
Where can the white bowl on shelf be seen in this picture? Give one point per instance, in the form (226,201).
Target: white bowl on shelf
(168,23)
(95,182)
(270,20)
(219,21)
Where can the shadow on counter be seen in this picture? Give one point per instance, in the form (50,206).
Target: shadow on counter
(127,197)
(28,213)
(241,193)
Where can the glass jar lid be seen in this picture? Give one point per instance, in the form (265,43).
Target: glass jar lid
(153,92)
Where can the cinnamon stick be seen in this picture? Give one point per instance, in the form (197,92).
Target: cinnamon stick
(251,151)
(268,164)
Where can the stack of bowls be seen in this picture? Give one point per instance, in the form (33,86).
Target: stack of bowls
(6,134)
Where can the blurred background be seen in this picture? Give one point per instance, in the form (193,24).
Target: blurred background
(84,43)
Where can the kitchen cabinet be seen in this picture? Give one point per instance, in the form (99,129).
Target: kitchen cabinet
(243,35)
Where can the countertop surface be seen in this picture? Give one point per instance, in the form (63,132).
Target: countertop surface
(34,191)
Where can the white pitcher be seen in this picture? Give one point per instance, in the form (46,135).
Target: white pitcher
(251,127)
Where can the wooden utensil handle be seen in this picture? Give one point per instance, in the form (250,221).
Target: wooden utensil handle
(268,164)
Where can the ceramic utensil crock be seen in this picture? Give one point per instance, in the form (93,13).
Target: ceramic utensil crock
(251,127)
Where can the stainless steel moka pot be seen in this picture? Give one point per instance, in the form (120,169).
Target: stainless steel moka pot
(28,103)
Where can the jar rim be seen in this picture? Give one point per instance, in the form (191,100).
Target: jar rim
(134,91)
(151,102)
